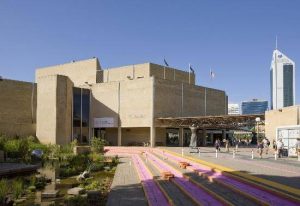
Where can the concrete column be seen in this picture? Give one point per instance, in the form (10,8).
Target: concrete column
(211,135)
(119,136)
(152,136)
(204,137)
(181,130)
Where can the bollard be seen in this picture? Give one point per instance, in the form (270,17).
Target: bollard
(252,155)
(164,155)
(233,154)
(275,154)
(216,153)
(199,152)
(182,152)
(146,158)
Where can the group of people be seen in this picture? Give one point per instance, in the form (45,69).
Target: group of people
(262,146)
(278,147)
(225,142)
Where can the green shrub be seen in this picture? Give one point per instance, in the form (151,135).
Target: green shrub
(3,140)
(68,172)
(94,185)
(38,182)
(16,148)
(17,188)
(76,201)
(4,190)
(115,161)
(98,144)
(98,166)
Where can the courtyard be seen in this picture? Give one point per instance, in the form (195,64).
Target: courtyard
(141,177)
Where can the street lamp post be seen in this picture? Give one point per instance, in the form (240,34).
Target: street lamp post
(257,119)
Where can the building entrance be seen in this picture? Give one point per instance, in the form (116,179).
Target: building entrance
(172,137)
(99,133)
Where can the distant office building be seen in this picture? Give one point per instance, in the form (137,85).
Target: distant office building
(233,109)
(282,81)
(254,107)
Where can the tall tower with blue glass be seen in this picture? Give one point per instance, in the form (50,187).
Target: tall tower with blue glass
(282,81)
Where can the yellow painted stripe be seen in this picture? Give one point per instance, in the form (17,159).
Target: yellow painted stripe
(276,185)
(258,201)
(215,195)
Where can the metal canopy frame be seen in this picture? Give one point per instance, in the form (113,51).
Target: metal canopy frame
(237,122)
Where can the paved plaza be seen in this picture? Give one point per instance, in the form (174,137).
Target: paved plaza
(139,177)
(283,170)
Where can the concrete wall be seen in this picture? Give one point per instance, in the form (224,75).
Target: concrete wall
(126,72)
(111,135)
(168,73)
(79,72)
(147,70)
(174,99)
(17,108)
(282,117)
(133,99)
(54,109)
(132,136)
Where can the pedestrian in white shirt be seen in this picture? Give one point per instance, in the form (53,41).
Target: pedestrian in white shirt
(280,148)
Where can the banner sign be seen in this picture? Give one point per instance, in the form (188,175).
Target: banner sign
(104,122)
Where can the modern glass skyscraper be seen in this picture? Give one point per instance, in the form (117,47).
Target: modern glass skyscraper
(254,107)
(282,81)
(233,109)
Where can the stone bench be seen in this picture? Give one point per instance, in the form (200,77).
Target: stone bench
(183,165)
(167,175)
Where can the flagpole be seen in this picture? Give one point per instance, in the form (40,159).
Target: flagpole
(189,73)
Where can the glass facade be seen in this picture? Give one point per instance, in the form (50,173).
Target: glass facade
(288,85)
(172,139)
(254,107)
(81,114)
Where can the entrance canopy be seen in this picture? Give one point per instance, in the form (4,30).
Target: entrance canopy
(211,122)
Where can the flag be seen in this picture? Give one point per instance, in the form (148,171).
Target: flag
(212,74)
(166,63)
(191,69)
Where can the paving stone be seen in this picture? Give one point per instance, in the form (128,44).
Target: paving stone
(126,189)
(76,191)
(50,194)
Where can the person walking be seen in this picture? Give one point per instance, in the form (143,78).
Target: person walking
(217,144)
(266,144)
(227,145)
(237,143)
(260,147)
(274,146)
(280,146)
(297,145)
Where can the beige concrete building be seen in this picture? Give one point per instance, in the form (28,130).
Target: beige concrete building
(17,108)
(79,100)
(287,116)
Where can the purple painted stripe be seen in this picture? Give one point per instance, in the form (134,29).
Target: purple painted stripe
(201,196)
(246,188)
(154,194)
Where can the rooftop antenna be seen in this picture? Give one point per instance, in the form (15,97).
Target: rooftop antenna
(276,42)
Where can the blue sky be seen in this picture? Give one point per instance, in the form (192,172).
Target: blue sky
(235,38)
